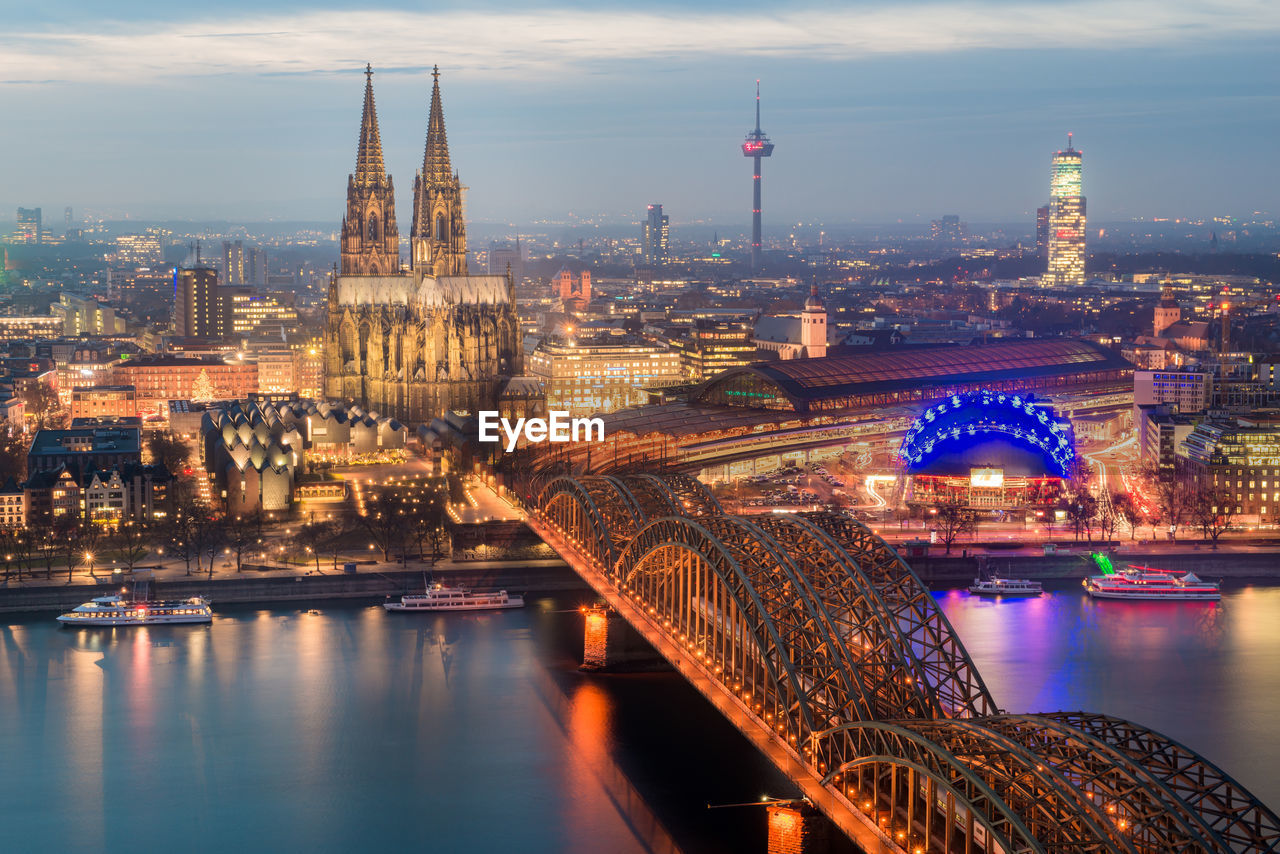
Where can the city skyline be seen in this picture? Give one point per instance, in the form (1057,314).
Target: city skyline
(934,114)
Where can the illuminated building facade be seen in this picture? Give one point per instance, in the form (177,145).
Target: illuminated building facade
(757,418)
(656,236)
(250,309)
(30,226)
(1167,312)
(575,294)
(602,375)
(417,344)
(105,401)
(30,328)
(987,450)
(136,250)
(1042,231)
(197,310)
(160,379)
(1066,219)
(1241,457)
(714,346)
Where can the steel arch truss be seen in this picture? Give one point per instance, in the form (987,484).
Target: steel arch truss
(938,658)
(815,627)
(728,593)
(1237,820)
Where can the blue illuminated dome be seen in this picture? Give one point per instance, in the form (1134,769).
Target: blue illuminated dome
(1014,432)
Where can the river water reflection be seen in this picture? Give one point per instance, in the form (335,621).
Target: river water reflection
(345,728)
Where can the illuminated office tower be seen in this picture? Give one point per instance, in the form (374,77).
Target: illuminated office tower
(1066,219)
(30,227)
(1042,230)
(656,235)
(198,309)
(756,146)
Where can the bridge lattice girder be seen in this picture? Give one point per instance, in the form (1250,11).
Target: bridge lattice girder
(819,630)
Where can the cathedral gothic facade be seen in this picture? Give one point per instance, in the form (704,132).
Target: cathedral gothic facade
(413,344)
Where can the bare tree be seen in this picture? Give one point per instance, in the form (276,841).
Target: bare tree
(1108,515)
(1169,493)
(385,520)
(67,531)
(241,535)
(1126,510)
(169,450)
(1211,510)
(132,542)
(42,402)
(950,521)
(1082,509)
(311,536)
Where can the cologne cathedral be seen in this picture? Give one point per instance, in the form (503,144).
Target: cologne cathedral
(414,343)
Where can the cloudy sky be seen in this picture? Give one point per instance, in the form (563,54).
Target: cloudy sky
(880,110)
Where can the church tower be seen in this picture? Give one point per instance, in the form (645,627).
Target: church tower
(439,235)
(370,238)
(813,327)
(1167,311)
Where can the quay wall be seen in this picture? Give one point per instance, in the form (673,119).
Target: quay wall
(1206,563)
(544,576)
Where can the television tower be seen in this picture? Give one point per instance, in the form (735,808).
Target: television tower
(755,146)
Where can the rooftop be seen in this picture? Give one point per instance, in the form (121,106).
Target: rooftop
(904,368)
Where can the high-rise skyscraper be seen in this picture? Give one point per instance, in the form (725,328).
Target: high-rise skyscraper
(1066,219)
(756,146)
(655,237)
(233,262)
(30,228)
(199,309)
(1042,230)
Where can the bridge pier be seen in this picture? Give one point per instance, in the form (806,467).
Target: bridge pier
(796,827)
(609,643)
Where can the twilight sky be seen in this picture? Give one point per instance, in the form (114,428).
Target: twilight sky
(880,110)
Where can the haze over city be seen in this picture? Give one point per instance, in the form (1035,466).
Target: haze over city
(688,427)
(880,111)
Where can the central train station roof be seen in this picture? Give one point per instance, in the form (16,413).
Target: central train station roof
(859,380)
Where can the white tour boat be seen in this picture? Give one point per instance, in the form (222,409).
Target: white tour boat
(440,598)
(995,586)
(118,611)
(1146,583)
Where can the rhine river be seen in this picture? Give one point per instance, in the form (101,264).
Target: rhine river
(338,727)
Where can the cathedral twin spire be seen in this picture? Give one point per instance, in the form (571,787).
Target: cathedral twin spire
(370,238)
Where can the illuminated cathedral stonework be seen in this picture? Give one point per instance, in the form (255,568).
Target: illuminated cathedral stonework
(414,344)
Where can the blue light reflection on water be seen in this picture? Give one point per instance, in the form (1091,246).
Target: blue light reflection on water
(1206,674)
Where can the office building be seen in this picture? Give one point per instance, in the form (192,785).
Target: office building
(504,257)
(30,228)
(1042,231)
(712,346)
(949,229)
(232,262)
(1066,219)
(104,401)
(198,309)
(1239,458)
(656,232)
(603,374)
